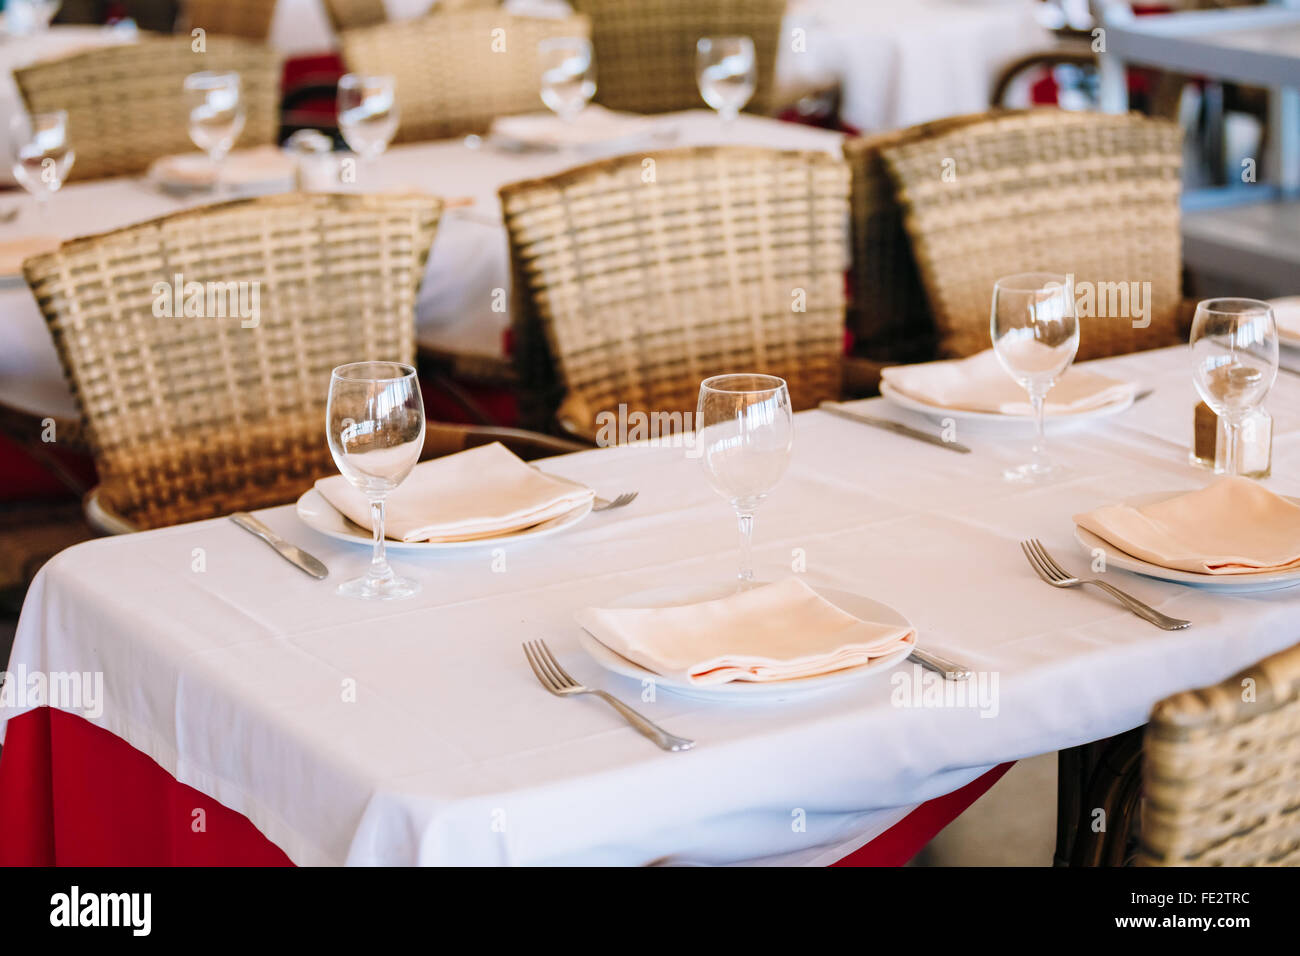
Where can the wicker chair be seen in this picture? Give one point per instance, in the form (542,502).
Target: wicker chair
(449,79)
(199,416)
(353,14)
(645,49)
(888,314)
(649,273)
(125,104)
(1222,772)
(250,19)
(1084,193)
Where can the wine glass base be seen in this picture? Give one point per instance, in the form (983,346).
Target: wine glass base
(1031,473)
(382,589)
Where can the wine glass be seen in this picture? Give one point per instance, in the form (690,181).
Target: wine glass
(216,111)
(1035,337)
(29,17)
(727,73)
(744,430)
(368,113)
(374,422)
(1234,362)
(42,155)
(568,75)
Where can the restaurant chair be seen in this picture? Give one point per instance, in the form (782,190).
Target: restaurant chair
(638,276)
(645,49)
(1212,780)
(250,19)
(1089,194)
(888,315)
(1221,777)
(352,14)
(450,80)
(126,106)
(194,417)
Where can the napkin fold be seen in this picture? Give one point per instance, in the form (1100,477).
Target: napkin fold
(1233,526)
(774,632)
(980,384)
(14,251)
(478,493)
(594,126)
(243,167)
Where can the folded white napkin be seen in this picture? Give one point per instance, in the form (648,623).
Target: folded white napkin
(244,167)
(1287,314)
(595,125)
(14,251)
(981,384)
(478,493)
(774,632)
(1233,526)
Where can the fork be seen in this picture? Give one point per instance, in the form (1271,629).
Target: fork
(1057,577)
(603,504)
(557,680)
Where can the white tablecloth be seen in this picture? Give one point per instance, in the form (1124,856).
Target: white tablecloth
(414,732)
(901,63)
(470,256)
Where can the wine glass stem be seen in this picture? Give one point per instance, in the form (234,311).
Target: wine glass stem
(1038,399)
(379,569)
(1231,447)
(746,546)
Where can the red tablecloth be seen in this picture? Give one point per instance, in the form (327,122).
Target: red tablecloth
(73,794)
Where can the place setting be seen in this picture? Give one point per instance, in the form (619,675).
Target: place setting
(746,640)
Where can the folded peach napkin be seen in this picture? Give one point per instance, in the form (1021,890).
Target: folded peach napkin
(774,632)
(243,167)
(1286,312)
(478,493)
(981,384)
(1233,526)
(594,126)
(14,251)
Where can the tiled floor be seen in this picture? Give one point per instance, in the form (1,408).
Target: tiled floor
(1014,824)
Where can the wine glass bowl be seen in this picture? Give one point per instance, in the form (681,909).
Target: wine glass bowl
(1035,330)
(216,115)
(726,71)
(42,155)
(744,433)
(368,113)
(568,75)
(374,423)
(1234,350)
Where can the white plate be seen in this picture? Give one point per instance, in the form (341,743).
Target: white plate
(1225,583)
(319,514)
(13,281)
(855,604)
(1288,310)
(995,420)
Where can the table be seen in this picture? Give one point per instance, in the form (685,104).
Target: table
(898,64)
(415,732)
(469,259)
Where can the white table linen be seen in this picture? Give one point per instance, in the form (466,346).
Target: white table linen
(414,732)
(457,309)
(901,63)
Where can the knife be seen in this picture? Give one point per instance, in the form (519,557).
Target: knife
(897,428)
(294,555)
(949,669)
